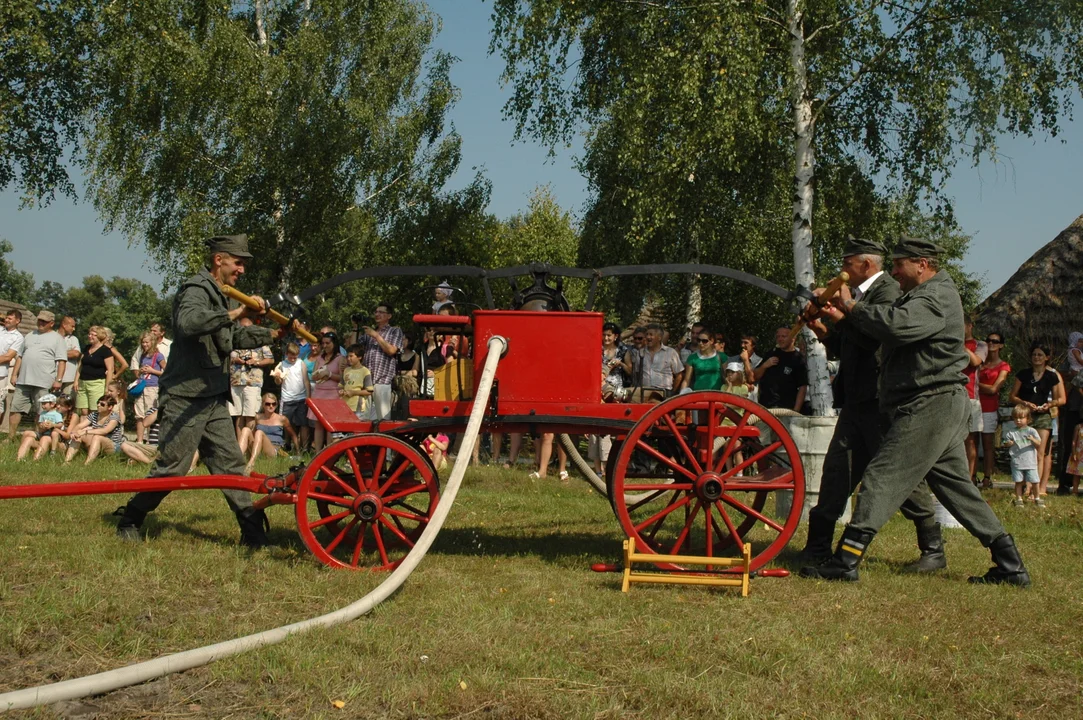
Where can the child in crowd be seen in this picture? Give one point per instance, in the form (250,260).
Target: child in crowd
(355,387)
(151,366)
(735,379)
(436,446)
(1022,444)
(292,375)
(61,435)
(118,391)
(49,419)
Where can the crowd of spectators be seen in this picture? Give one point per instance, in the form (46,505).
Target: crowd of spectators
(76,394)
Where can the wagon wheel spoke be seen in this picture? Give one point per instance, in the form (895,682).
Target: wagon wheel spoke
(406,492)
(645,447)
(380,545)
(331,499)
(330,519)
(650,497)
(355,558)
(342,534)
(354,465)
(350,491)
(732,472)
(412,509)
(729,526)
(399,513)
(729,500)
(401,536)
(708,523)
(683,536)
(782,482)
(682,443)
(663,487)
(395,475)
(732,443)
(661,514)
(377,469)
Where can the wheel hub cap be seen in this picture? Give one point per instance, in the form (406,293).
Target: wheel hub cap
(367,506)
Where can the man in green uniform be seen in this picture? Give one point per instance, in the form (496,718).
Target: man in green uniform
(861,425)
(923,390)
(194,389)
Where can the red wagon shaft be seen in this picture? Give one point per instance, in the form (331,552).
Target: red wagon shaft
(253,484)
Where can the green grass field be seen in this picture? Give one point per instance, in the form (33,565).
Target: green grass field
(504,618)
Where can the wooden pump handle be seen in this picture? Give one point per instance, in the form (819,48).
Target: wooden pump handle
(830,291)
(230,291)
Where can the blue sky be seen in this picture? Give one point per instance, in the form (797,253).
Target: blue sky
(1011,208)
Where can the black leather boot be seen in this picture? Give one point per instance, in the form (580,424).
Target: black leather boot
(1008,568)
(820,534)
(931,543)
(254,526)
(131,520)
(843,564)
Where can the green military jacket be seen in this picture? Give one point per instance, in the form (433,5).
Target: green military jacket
(203,337)
(858,378)
(921,339)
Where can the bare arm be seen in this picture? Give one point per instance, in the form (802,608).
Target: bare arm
(994,389)
(800,398)
(1014,398)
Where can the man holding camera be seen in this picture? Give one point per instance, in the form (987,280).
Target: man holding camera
(382,345)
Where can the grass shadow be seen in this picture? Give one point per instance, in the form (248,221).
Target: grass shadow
(556,548)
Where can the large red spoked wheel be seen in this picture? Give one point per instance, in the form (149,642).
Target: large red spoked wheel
(363,501)
(705,465)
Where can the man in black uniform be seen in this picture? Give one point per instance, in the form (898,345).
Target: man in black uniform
(860,425)
(194,389)
(923,390)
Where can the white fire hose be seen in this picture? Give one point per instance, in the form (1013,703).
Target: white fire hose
(141,672)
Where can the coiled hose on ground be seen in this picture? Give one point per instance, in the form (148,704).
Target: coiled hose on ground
(141,672)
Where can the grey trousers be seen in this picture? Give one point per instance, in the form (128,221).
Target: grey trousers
(187,425)
(858,435)
(925,440)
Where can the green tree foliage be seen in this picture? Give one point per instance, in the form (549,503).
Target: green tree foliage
(44,53)
(688,110)
(310,126)
(15,285)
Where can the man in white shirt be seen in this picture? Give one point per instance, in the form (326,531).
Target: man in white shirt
(661,370)
(161,340)
(42,363)
(11,347)
(67,331)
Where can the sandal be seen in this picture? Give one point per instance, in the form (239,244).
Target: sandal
(534,475)
(986,482)
(564,476)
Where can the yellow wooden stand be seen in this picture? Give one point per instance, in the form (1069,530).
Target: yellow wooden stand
(631,557)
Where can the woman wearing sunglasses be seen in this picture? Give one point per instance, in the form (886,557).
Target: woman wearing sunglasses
(703,368)
(269,435)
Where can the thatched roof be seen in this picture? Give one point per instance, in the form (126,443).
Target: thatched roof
(1043,300)
(28,323)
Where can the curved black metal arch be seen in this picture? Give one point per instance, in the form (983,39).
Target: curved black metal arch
(594,275)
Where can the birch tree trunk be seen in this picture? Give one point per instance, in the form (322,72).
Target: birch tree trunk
(695,289)
(260,9)
(805,165)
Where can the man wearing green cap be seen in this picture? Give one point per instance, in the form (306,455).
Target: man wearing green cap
(194,389)
(861,425)
(923,390)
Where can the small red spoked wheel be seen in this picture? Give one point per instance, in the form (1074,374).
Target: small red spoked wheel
(363,502)
(704,465)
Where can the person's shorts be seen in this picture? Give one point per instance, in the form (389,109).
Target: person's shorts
(146,402)
(975,416)
(1041,421)
(1030,476)
(296,411)
(27,398)
(244,400)
(90,392)
(989,422)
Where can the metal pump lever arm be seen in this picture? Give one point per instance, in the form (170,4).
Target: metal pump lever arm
(830,291)
(278,317)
